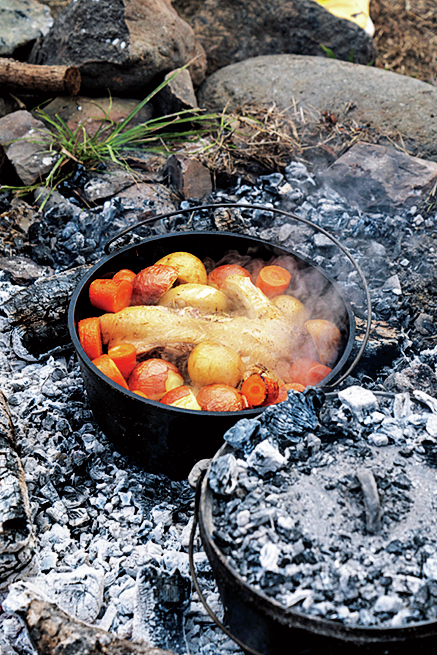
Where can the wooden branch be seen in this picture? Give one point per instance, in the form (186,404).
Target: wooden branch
(17,539)
(52,80)
(56,633)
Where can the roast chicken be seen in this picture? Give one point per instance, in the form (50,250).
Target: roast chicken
(258,331)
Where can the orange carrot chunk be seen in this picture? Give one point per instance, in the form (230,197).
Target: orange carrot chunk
(260,390)
(308,372)
(125,274)
(109,368)
(110,295)
(125,356)
(273,280)
(90,336)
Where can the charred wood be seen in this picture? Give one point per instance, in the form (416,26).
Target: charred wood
(51,80)
(40,311)
(17,539)
(54,632)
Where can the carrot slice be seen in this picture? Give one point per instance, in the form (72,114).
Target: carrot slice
(217,277)
(90,336)
(109,368)
(259,390)
(273,280)
(125,356)
(125,274)
(308,372)
(110,295)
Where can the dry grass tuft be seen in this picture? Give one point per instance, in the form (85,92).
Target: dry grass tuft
(258,138)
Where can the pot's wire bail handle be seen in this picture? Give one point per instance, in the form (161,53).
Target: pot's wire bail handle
(202,598)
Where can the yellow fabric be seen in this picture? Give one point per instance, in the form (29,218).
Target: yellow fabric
(356,11)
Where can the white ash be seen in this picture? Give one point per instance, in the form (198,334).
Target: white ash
(316,535)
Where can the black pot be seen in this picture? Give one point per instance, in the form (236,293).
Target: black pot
(262,626)
(166,439)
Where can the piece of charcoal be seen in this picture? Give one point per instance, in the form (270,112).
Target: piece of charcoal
(223,476)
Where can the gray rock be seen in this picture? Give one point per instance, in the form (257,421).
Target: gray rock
(233,30)
(178,94)
(189,177)
(143,197)
(121,46)
(388,102)
(374,177)
(26,142)
(22,22)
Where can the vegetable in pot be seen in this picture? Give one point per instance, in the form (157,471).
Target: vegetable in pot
(182,397)
(308,372)
(260,390)
(90,336)
(327,339)
(201,296)
(151,283)
(273,280)
(190,268)
(217,277)
(154,377)
(221,398)
(125,356)
(110,295)
(211,363)
(109,368)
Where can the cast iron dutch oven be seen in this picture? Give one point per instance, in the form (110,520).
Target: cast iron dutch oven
(165,439)
(260,625)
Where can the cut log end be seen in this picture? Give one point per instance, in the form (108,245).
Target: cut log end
(19,77)
(72,81)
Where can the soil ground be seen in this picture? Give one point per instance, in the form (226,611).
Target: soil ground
(405,35)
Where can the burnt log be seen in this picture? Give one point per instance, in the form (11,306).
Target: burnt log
(53,632)
(39,312)
(19,76)
(17,538)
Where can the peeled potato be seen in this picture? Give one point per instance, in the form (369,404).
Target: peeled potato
(201,296)
(327,339)
(292,308)
(214,363)
(189,267)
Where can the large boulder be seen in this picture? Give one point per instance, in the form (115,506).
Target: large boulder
(391,104)
(121,46)
(22,22)
(233,30)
